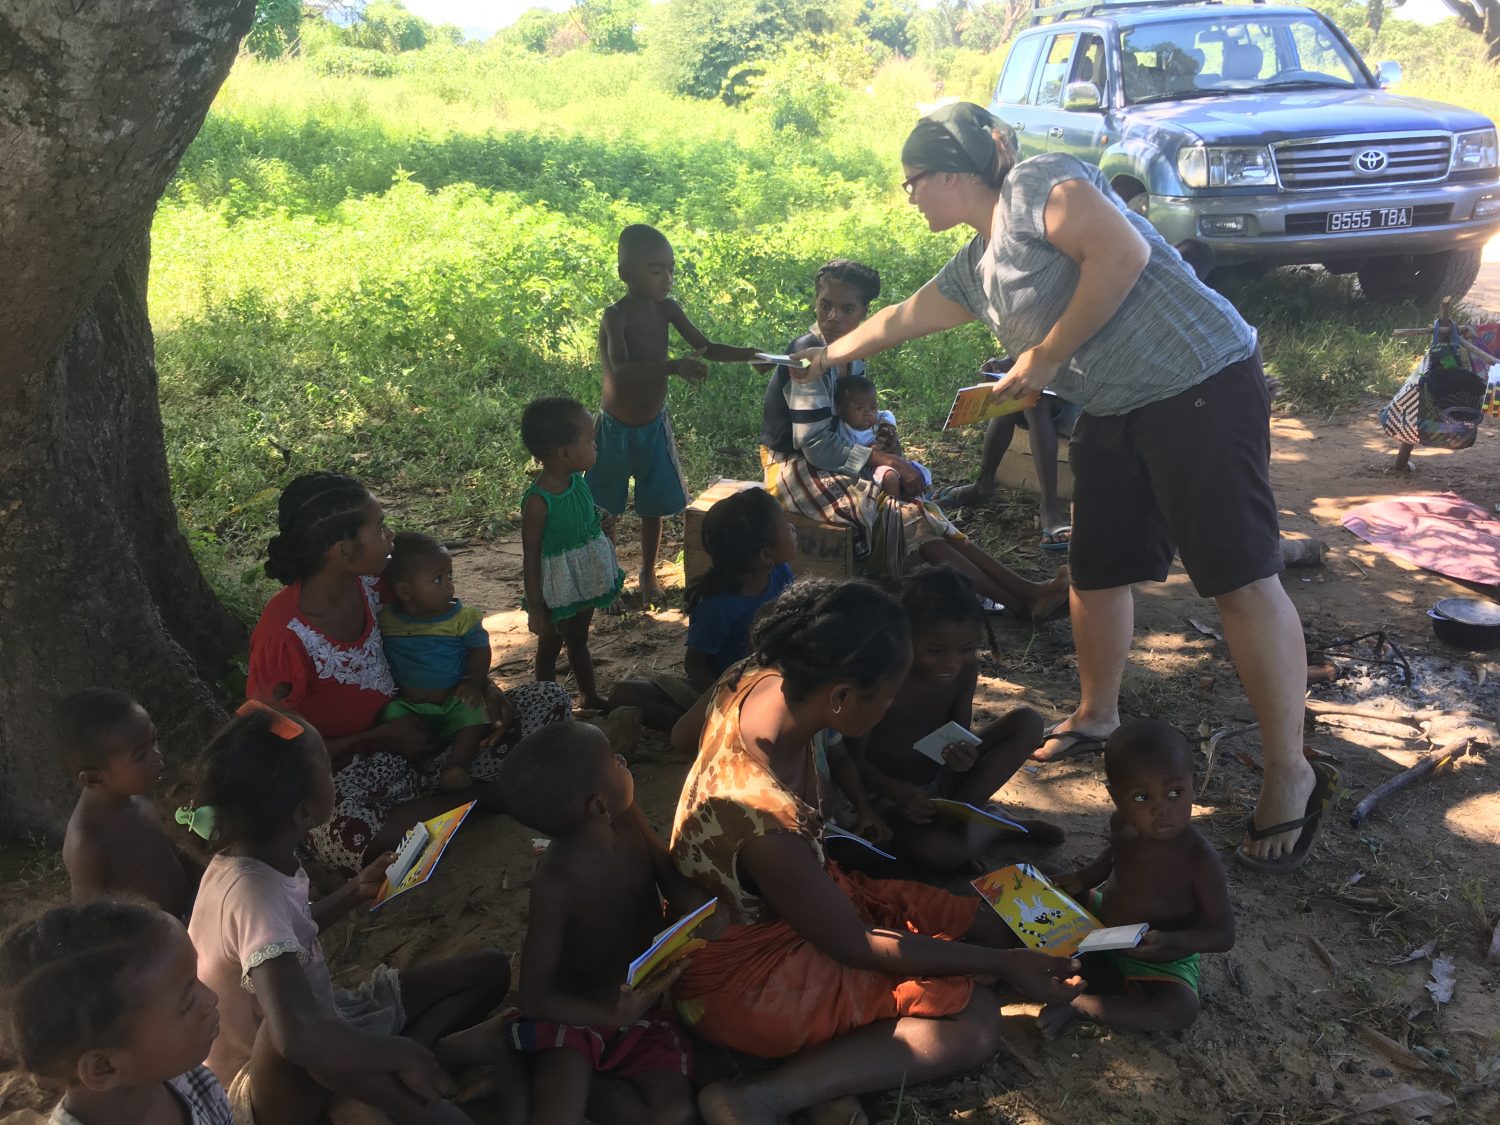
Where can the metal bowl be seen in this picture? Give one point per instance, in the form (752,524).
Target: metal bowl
(1467,623)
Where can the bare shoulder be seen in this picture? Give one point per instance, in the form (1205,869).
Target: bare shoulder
(1199,850)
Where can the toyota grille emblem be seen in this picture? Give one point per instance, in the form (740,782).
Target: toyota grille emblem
(1369,161)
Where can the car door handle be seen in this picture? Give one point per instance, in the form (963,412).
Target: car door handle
(1018,126)
(1055,132)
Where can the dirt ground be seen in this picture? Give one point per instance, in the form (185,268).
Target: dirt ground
(1310,1018)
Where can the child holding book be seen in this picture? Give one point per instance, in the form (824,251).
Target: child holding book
(862,422)
(439,654)
(946,626)
(603,1049)
(634,435)
(568,565)
(1157,869)
(289,1043)
(103,999)
(116,844)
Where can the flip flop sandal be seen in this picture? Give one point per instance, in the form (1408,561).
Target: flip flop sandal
(1317,804)
(1050,542)
(1075,742)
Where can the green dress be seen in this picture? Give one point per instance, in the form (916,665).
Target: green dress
(579,569)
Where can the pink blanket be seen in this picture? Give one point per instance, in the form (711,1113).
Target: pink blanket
(1444,533)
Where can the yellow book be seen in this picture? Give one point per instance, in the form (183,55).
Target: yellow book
(419,853)
(978,404)
(1038,913)
(671,945)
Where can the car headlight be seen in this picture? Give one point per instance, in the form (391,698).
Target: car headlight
(1211,166)
(1473,150)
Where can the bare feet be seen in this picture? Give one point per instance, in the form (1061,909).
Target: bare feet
(1054,1018)
(840,1111)
(594,703)
(615,608)
(728,1103)
(483,1043)
(653,593)
(967,496)
(1283,797)
(1051,600)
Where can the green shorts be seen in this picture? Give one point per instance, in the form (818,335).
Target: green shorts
(1115,968)
(447,718)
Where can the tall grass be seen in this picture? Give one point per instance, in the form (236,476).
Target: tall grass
(375,274)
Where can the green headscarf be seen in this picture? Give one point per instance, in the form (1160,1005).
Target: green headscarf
(958,138)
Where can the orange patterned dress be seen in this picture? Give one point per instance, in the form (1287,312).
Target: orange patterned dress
(762,987)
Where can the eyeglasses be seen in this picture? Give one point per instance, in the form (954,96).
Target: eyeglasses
(910,185)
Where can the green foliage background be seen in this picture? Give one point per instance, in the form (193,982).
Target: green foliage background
(373,257)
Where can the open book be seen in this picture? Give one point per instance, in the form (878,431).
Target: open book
(939,740)
(976,814)
(832,831)
(671,945)
(1038,913)
(420,851)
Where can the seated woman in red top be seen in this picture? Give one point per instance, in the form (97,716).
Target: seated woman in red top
(316,650)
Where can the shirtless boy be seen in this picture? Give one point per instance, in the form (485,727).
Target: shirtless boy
(634,433)
(601,1048)
(116,843)
(1157,869)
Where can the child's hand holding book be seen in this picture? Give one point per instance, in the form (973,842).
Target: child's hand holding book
(634,1003)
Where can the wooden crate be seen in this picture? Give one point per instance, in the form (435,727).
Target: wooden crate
(823,549)
(1018,470)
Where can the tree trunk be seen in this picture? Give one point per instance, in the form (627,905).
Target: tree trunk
(97,584)
(1482,17)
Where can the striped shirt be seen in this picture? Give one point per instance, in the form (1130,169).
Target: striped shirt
(1171,333)
(798,418)
(198,1091)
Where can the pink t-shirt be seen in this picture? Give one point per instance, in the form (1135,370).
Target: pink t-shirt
(246,913)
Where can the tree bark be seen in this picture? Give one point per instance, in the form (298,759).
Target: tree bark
(1482,17)
(98,101)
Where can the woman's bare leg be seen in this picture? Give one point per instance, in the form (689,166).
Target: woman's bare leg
(882,1056)
(1103,621)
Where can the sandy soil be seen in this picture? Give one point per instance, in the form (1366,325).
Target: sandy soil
(1307,1019)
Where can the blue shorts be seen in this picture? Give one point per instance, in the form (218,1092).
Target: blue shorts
(646,453)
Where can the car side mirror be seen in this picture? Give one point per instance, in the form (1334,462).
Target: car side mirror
(1080,95)
(1387,73)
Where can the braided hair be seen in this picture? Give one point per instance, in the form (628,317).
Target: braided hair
(940,595)
(64,978)
(865,279)
(735,530)
(315,511)
(822,632)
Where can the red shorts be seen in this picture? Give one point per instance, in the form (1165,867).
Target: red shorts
(655,1042)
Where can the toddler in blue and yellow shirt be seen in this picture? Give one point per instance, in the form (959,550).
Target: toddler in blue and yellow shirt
(438,651)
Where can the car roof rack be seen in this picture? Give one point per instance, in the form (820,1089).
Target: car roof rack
(1069,9)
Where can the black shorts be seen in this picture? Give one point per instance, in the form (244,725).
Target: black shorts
(1190,472)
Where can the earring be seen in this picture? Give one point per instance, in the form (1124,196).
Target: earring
(837,708)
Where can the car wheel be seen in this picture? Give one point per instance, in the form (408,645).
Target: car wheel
(1424,279)
(1140,203)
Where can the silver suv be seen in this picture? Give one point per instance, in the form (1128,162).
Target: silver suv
(1254,135)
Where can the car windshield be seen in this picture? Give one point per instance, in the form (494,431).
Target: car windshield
(1229,55)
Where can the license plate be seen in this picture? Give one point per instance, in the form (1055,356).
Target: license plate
(1373,218)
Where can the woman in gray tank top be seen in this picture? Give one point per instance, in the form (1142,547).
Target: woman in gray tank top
(1172,452)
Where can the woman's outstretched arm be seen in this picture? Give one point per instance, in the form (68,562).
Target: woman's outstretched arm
(926,311)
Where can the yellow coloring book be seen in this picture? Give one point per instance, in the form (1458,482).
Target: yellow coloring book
(977,404)
(1038,913)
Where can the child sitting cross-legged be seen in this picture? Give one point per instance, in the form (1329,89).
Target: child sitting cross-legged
(602,1049)
(289,1043)
(438,651)
(103,1000)
(946,625)
(750,545)
(1157,869)
(116,844)
(862,422)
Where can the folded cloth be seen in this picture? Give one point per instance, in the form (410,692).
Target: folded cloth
(1445,533)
